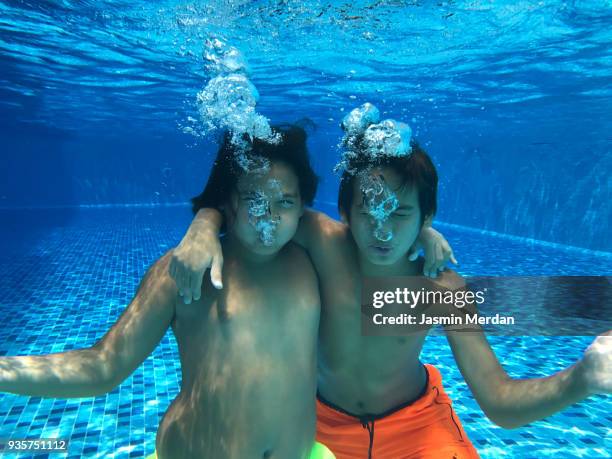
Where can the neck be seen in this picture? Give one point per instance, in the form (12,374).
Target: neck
(233,247)
(402,267)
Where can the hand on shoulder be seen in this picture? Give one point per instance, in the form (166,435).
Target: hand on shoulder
(449,280)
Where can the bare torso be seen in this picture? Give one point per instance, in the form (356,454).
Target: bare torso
(248,357)
(361,374)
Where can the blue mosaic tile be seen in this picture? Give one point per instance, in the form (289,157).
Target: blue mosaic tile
(65,284)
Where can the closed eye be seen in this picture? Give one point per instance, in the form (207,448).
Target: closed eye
(286,203)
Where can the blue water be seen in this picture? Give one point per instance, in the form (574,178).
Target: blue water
(72,272)
(511,99)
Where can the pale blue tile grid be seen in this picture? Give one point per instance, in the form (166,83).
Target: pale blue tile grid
(65,277)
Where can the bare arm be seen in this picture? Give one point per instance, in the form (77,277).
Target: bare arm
(508,402)
(98,369)
(436,248)
(200,248)
(70,374)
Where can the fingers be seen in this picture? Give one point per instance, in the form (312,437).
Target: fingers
(182,284)
(215,271)
(181,279)
(440,260)
(433,262)
(196,278)
(185,289)
(196,287)
(448,253)
(429,266)
(415,250)
(436,258)
(188,273)
(175,272)
(439,256)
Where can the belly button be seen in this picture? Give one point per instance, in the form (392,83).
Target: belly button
(267,454)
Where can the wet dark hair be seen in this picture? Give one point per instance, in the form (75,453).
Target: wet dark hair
(415,169)
(226,172)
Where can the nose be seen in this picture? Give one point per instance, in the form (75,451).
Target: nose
(383,231)
(274,212)
(383,235)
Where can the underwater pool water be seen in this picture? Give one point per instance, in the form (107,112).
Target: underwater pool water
(103,143)
(511,99)
(70,273)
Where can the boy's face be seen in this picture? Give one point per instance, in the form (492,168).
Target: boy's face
(267,209)
(385,223)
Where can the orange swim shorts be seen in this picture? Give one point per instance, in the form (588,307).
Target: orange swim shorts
(427,428)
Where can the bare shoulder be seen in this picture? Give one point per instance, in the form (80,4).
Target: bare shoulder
(449,280)
(329,226)
(295,256)
(332,234)
(321,235)
(158,279)
(163,261)
(295,251)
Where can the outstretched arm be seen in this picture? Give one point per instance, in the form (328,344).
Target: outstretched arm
(512,403)
(100,368)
